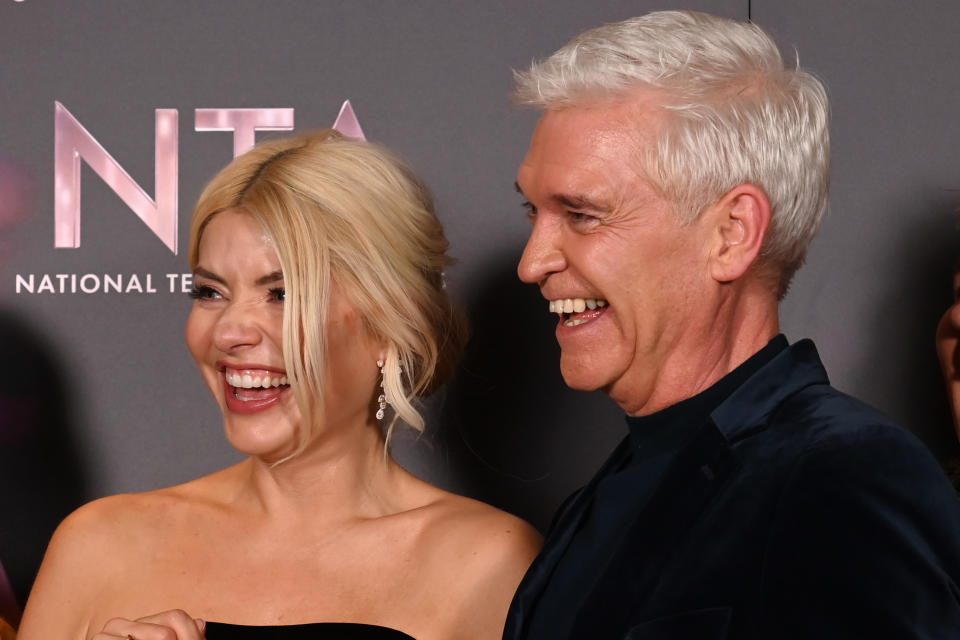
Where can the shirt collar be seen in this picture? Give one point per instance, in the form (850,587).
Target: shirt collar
(667,429)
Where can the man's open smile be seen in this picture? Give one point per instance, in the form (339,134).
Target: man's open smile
(576,311)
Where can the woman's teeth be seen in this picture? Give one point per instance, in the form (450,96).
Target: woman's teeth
(247,381)
(576,305)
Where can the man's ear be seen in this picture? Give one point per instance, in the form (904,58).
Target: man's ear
(740,219)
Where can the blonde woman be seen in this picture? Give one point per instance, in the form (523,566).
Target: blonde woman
(320,318)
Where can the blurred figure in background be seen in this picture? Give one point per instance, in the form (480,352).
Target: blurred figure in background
(41,480)
(15,205)
(9,609)
(948,341)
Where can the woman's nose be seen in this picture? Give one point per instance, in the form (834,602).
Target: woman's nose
(236,328)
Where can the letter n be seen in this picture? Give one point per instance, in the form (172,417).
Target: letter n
(72,143)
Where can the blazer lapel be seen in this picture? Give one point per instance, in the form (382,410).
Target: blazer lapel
(644,547)
(564,526)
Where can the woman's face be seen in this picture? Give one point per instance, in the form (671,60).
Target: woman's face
(235,335)
(948,349)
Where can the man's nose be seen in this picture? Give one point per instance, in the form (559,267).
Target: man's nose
(543,254)
(236,328)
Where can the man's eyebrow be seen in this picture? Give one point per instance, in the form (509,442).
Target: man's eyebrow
(573,202)
(580,202)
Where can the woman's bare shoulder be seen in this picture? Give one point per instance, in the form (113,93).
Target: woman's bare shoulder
(112,523)
(83,552)
(478,555)
(486,529)
(452,524)
(129,518)
(108,530)
(475,532)
(93,546)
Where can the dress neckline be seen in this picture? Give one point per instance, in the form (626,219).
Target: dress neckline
(327,630)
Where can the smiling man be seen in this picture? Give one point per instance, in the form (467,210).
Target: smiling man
(674,183)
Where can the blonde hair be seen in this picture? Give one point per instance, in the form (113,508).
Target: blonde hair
(738,115)
(342,209)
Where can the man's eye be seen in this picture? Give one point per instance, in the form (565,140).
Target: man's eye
(279,294)
(578,217)
(204,293)
(531,210)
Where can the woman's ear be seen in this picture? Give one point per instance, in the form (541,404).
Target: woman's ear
(740,219)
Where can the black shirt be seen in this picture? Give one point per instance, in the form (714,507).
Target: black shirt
(654,441)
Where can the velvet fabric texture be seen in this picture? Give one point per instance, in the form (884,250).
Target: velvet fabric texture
(794,511)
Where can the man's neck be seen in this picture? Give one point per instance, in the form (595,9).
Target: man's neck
(718,342)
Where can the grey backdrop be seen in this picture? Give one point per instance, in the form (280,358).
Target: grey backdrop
(106,385)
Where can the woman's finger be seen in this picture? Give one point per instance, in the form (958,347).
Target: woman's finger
(169,625)
(127,629)
(186,626)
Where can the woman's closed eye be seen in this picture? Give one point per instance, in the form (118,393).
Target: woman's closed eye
(204,292)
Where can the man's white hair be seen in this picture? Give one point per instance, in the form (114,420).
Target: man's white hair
(738,115)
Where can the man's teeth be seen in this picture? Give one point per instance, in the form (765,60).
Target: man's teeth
(576,305)
(247,381)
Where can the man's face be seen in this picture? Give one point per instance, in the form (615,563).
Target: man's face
(602,233)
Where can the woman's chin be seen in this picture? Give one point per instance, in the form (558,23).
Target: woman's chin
(270,443)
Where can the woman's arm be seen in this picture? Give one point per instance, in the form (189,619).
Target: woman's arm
(500,550)
(69,579)
(96,567)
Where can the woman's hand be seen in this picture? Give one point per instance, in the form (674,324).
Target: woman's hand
(169,625)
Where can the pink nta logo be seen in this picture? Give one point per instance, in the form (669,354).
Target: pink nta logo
(73,143)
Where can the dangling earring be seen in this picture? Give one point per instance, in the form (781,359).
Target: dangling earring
(382,400)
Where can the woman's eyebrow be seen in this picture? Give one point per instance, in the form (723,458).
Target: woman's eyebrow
(209,275)
(275,276)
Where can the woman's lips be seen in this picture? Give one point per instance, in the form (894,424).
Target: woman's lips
(249,391)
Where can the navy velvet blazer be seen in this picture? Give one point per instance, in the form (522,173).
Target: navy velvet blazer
(794,512)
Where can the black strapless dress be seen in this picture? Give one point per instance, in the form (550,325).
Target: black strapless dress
(313,631)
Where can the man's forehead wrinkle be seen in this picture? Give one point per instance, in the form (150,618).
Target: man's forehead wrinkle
(576,187)
(580,187)
(549,176)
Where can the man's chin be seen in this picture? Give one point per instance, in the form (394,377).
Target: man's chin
(580,379)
